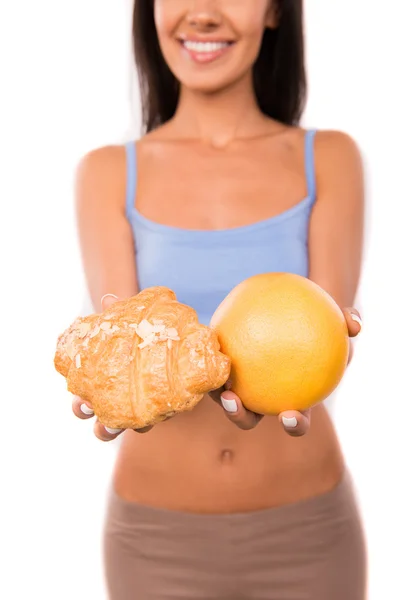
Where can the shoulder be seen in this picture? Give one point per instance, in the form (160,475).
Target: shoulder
(339,162)
(334,148)
(101,175)
(103,162)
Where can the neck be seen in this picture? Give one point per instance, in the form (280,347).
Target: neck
(221,117)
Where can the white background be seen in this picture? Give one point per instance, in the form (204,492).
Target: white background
(67,88)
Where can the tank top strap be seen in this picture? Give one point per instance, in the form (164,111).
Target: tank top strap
(310,163)
(131,176)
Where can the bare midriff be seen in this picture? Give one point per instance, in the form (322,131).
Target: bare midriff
(201,462)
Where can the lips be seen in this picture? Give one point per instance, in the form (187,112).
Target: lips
(205,51)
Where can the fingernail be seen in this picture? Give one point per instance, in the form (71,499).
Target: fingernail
(229,405)
(111,430)
(356,318)
(108,296)
(86,410)
(289,421)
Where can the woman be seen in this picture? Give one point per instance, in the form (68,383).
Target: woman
(219,503)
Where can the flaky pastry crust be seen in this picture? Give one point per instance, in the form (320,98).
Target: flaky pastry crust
(141,360)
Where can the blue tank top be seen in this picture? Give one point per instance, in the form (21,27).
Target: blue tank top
(203,266)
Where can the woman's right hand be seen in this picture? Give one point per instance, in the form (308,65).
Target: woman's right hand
(83,410)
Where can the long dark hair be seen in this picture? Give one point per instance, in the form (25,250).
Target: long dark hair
(279,72)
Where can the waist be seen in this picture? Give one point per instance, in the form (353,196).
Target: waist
(201,462)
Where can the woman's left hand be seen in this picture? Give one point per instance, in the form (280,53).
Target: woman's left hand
(295,423)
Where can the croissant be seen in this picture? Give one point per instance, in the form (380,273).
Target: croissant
(142,360)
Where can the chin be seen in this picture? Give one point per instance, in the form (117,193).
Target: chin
(206,88)
(208,83)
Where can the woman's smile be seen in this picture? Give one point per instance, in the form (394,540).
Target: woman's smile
(204,51)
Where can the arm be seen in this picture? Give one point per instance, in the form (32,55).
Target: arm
(106,240)
(335,249)
(105,235)
(337,222)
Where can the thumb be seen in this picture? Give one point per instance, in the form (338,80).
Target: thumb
(108,300)
(353,320)
(295,423)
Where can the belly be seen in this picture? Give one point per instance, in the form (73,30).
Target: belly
(201,462)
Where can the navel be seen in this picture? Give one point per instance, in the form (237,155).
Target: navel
(226,456)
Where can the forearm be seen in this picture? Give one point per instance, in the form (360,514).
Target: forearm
(351,352)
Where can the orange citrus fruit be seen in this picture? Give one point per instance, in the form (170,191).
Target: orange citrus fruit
(287,340)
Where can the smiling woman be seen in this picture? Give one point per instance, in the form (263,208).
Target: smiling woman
(223,185)
(255,47)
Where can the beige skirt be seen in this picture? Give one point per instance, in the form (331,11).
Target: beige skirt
(309,550)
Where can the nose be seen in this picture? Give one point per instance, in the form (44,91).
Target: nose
(203,16)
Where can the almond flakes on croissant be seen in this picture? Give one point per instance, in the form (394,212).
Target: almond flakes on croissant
(141,360)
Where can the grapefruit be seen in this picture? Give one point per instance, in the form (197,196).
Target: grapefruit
(287,340)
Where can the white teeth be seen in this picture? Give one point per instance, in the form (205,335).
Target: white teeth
(205,46)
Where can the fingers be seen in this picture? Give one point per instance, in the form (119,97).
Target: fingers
(107,300)
(353,320)
(237,413)
(82,409)
(295,423)
(105,434)
(234,409)
(144,429)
